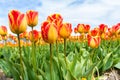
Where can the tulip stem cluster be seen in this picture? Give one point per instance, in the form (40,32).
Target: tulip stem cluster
(20,55)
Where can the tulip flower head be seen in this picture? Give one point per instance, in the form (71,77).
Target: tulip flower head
(35,35)
(94,42)
(55,18)
(87,28)
(32,18)
(94,32)
(80,28)
(75,30)
(17,21)
(103,28)
(49,32)
(3,30)
(65,30)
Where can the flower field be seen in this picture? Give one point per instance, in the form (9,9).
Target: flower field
(51,53)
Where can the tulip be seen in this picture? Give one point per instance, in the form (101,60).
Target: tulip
(49,32)
(18,24)
(87,28)
(17,21)
(32,21)
(75,30)
(94,42)
(94,32)
(25,35)
(104,36)
(80,28)
(65,30)
(3,30)
(55,18)
(103,28)
(35,36)
(32,18)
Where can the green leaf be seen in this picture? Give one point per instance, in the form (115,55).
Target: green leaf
(89,71)
(117,65)
(108,64)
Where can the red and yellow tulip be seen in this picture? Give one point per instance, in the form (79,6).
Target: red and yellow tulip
(103,28)
(82,28)
(32,18)
(55,18)
(49,32)
(35,36)
(94,42)
(3,30)
(75,30)
(65,30)
(94,32)
(17,21)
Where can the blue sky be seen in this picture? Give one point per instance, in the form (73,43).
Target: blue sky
(93,12)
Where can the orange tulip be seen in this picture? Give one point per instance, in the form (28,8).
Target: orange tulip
(17,21)
(94,42)
(32,18)
(49,32)
(3,30)
(35,35)
(55,18)
(65,30)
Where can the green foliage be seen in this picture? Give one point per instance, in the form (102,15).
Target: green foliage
(81,61)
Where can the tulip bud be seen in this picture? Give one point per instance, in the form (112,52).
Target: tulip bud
(32,18)
(17,21)
(65,30)
(49,32)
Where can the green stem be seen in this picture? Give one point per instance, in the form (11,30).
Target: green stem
(65,51)
(33,53)
(20,55)
(51,61)
(58,59)
(57,47)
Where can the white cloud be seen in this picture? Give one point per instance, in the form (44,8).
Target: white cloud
(93,12)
